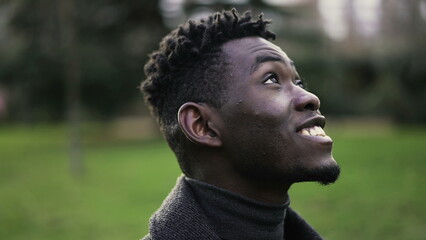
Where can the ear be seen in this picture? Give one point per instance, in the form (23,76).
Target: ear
(197,123)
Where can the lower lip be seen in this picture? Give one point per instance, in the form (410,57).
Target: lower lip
(322,140)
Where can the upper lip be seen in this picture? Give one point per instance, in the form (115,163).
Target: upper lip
(318,120)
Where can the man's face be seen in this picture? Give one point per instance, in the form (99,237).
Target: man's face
(272,128)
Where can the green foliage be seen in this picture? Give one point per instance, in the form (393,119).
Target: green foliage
(381,75)
(113,39)
(380,194)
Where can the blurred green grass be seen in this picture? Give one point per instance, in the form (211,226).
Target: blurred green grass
(380,194)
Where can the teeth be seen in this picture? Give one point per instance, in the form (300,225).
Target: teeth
(320,131)
(313,131)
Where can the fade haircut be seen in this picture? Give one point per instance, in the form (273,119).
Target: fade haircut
(189,66)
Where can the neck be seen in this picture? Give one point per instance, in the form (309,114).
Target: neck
(234,216)
(265,191)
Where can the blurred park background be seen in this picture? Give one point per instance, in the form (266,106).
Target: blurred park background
(80,156)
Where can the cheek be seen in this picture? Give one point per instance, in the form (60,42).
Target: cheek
(256,113)
(272,112)
(264,128)
(266,117)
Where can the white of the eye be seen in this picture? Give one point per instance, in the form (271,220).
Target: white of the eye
(270,81)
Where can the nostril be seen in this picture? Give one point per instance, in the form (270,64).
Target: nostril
(306,102)
(310,106)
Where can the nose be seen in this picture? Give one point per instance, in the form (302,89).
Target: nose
(306,101)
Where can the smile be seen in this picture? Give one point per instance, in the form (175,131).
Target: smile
(312,129)
(315,132)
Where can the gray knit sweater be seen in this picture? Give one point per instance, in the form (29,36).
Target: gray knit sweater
(181,217)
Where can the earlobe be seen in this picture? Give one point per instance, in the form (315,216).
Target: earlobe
(197,124)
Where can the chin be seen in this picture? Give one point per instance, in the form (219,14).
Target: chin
(324,174)
(328,174)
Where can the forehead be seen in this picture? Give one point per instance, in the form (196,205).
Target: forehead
(242,53)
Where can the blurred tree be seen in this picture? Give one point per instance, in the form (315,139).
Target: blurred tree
(380,74)
(403,49)
(71,62)
(115,37)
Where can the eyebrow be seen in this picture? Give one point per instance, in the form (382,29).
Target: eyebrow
(268,58)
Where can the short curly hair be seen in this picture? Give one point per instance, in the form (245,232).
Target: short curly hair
(189,66)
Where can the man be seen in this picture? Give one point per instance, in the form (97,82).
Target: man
(235,112)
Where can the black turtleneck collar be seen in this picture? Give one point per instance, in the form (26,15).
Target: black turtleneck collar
(236,217)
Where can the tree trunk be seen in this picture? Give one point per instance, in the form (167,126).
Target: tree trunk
(71,65)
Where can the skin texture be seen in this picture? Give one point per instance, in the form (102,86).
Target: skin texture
(252,145)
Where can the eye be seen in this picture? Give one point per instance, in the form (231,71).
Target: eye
(271,79)
(300,83)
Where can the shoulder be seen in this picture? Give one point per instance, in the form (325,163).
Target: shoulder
(180,217)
